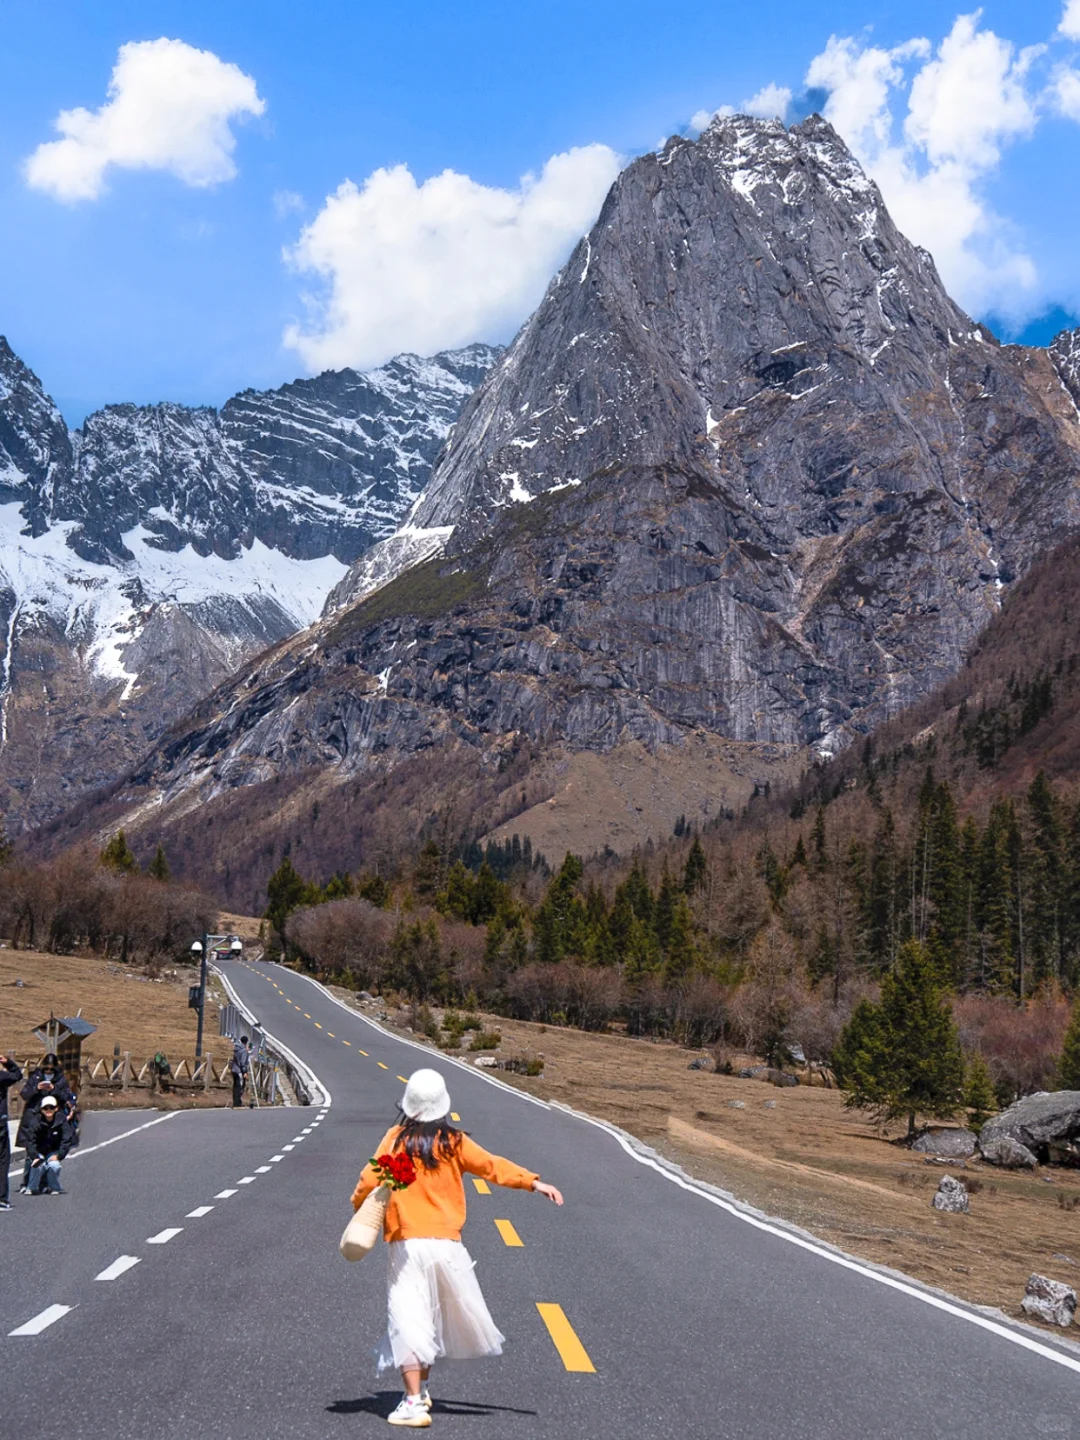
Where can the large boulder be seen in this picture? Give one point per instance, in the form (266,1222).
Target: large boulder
(1003,1150)
(953,1144)
(1047,1126)
(951,1195)
(1050,1300)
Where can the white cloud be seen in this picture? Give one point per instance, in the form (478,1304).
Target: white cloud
(287,202)
(964,103)
(428,266)
(1065,92)
(1070,20)
(169,107)
(772,102)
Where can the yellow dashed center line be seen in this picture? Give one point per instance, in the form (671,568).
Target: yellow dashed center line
(346,1042)
(571,1351)
(306,1015)
(364,1053)
(508,1233)
(454,1115)
(317,1025)
(331,1034)
(482,1187)
(402,1079)
(381,1065)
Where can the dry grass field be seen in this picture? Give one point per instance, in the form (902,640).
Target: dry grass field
(798,1154)
(136,1013)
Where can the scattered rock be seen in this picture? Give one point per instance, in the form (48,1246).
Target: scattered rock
(364,995)
(1046,1126)
(754,1072)
(486,1062)
(701,1063)
(737,1104)
(1009,1153)
(770,1104)
(953,1143)
(1066,1259)
(1050,1300)
(769,1074)
(951,1195)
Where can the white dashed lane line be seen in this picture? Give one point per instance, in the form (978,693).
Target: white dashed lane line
(224,1194)
(199,1212)
(275,1158)
(247,1180)
(262,1169)
(118,1267)
(43,1321)
(164,1236)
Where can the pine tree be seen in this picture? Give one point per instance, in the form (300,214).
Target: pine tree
(902,1056)
(158,869)
(663,915)
(980,1099)
(7,850)
(1068,1071)
(119,856)
(375,890)
(696,870)
(557,924)
(339,887)
(427,877)
(681,947)
(819,859)
(1047,889)
(286,891)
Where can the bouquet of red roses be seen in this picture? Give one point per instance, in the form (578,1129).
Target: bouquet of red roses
(394,1170)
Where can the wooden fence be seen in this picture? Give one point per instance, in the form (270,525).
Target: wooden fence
(122,1072)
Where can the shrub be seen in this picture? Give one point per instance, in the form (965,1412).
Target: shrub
(486,1040)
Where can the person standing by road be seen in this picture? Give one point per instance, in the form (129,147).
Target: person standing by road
(47,1144)
(10,1074)
(239,1066)
(435,1308)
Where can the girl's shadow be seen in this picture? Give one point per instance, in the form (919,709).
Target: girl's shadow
(382,1404)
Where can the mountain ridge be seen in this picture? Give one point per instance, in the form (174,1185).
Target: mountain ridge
(747,476)
(149,552)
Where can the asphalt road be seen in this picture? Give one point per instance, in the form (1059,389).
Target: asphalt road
(695,1318)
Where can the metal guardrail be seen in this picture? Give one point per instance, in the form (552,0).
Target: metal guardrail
(263,1064)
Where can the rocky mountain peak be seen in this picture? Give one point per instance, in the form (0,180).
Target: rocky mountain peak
(757,259)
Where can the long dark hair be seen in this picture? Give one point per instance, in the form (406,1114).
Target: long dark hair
(426,1142)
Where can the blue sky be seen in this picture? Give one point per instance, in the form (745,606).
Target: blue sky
(163,274)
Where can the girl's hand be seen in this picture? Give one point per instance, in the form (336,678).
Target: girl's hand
(548,1190)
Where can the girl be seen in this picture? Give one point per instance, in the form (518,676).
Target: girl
(434,1304)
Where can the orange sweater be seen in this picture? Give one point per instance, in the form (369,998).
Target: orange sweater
(433,1206)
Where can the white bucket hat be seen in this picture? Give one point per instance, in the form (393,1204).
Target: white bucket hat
(426,1097)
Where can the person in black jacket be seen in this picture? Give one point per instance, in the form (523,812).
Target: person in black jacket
(46,1079)
(10,1074)
(47,1143)
(239,1066)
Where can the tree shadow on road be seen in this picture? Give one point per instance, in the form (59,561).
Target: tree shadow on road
(382,1404)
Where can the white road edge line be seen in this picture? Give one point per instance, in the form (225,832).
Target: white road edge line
(304,1068)
(164,1236)
(43,1321)
(805,1241)
(118,1267)
(89,1150)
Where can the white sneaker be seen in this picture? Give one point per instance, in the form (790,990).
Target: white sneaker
(425,1395)
(411,1412)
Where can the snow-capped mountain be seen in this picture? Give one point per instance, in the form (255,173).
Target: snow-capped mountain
(145,555)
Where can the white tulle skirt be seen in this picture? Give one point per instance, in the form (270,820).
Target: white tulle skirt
(435,1308)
